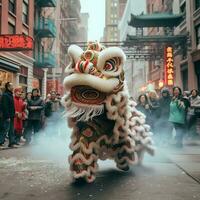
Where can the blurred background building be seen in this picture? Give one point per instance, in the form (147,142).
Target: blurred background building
(17,17)
(188,63)
(114,12)
(51,23)
(157,67)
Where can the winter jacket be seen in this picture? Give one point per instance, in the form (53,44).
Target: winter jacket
(146,112)
(194,103)
(154,106)
(19,114)
(177,111)
(35,107)
(7,103)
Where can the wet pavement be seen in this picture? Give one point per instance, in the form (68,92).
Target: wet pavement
(41,172)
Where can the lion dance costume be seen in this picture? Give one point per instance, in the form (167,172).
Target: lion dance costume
(104,120)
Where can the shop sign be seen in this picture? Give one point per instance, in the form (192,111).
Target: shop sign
(16,43)
(169,66)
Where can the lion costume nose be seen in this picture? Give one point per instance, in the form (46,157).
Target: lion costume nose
(85,67)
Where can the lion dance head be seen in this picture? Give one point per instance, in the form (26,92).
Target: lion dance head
(104,120)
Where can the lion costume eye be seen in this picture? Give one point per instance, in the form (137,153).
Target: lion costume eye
(112,65)
(111,61)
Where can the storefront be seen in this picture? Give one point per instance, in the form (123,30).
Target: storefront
(8,72)
(197,71)
(196,61)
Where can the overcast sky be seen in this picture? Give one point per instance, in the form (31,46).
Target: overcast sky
(96,10)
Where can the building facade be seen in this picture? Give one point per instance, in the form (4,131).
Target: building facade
(156,68)
(17,17)
(114,12)
(45,33)
(188,64)
(187,61)
(67,21)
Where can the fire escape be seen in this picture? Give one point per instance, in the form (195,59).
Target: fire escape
(45,33)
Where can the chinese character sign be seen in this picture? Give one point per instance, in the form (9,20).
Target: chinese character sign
(169,66)
(15,43)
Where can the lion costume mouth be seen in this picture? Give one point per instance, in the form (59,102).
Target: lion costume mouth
(87,95)
(102,85)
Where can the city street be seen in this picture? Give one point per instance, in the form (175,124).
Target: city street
(41,172)
(120,73)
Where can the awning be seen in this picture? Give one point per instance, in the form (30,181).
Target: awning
(156,20)
(9,65)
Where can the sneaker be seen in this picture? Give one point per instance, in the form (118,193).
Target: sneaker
(22,140)
(13,146)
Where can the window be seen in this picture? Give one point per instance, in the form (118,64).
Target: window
(152,8)
(163,1)
(25,12)
(197,4)
(197,29)
(148,8)
(11,28)
(12,6)
(183,8)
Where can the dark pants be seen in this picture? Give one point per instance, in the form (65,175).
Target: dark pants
(192,121)
(33,126)
(8,127)
(17,137)
(180,131)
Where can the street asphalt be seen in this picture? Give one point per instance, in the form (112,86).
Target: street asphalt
(40,172)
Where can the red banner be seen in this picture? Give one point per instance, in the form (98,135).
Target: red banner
(169,66)
(16,43)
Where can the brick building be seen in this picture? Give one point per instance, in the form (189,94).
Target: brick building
(188,64)
(156,67)
(67,30)
(17,17)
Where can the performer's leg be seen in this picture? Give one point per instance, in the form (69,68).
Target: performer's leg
(83,161)
(125,154)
